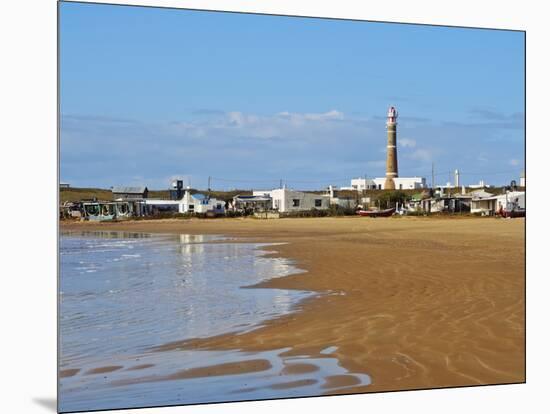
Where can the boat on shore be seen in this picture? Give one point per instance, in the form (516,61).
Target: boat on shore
(377,213)
(512,213)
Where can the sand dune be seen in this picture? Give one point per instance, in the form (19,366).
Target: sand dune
(412,302)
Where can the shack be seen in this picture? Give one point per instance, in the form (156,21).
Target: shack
(130,193)
(110,210)
(252,203)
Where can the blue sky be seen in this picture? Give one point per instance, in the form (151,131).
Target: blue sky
(151,94)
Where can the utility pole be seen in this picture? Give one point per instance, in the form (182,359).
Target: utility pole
(209,181)
(281,183)
(433,175)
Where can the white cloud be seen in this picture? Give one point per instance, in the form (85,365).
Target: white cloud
(300,145)
(239,119)
(283,125)
(325,116)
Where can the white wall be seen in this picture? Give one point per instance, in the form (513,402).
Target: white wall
(283,200)
(406,183)
(187,201)
(493,203)
(403,183)
(482,205)
(199,205)
(361,184)
(511,197)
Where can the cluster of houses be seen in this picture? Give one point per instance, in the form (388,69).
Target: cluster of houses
(477,202)
(135,201)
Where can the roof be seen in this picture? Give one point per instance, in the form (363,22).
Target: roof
(460,195)
(129,190)
(161,202)
(252,198)
(510,195)
(480,194)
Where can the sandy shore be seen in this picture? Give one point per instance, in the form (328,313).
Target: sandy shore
(415,303)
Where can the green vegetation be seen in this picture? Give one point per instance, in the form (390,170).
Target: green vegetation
(390,198)
(80,194)
(333,211)
(160,194)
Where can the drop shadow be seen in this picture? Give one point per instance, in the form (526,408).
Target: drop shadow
(49,403)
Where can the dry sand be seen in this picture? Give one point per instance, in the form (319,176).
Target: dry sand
(415,303)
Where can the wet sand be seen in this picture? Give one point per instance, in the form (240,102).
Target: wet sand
(229,368)
(414,302)
(104,370)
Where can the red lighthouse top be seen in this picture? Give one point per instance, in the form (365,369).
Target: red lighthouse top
(392,115)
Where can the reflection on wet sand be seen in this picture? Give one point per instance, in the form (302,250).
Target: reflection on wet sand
(123,295)
(103,370)
(216,376)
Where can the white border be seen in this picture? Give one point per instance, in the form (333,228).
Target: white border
(28,176)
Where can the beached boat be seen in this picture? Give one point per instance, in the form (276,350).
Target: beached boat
(514,212)
(377,213)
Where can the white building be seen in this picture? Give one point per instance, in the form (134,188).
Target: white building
(522,179)
(343,202)
(189,203)
(481,184)
(284,200)
(516,198)
(487,203)
(401,183)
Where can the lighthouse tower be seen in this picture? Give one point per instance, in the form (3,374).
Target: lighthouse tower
(391,160)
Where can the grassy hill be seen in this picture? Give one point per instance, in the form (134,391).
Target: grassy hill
(79,194)
(101,194)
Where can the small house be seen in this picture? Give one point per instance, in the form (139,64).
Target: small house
(252,203)
(285,200)
(483,203)
(189,203)
(130,193)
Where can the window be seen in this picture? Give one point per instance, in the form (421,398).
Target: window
(400,186)
(295,202)
(318,202)
(379,186)
(191,207)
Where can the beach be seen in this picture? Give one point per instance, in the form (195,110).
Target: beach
(413,302)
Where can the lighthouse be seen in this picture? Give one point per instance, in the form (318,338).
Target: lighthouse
(391,160)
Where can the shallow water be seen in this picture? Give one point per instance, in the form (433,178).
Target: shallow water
(124,293)
(151,379)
